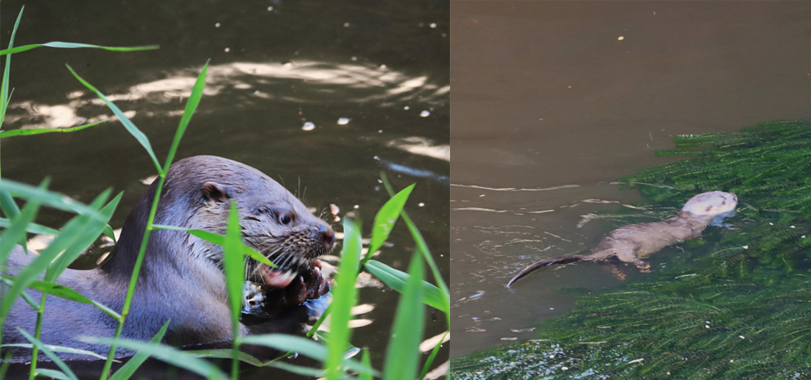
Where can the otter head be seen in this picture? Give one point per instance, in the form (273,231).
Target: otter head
(711,204)
(198,193)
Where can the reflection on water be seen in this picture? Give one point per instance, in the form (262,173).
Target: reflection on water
(413,172)
(371,78)
(244,82)
(422,146)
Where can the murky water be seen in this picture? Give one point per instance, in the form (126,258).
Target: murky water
(371,77)
(553,101)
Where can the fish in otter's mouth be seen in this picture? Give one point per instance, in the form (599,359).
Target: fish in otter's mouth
(295,256)
(281,277)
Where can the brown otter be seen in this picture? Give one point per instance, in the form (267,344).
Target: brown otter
(635,242)
(181,278)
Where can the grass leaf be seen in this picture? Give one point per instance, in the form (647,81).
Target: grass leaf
(44,348)
(31,228)
(72,230)
(8,206)
(397,280)
(303,346)
(126,371)
(4,96)
(88,235)
(69,350)
(16,231)
(402,355)
(234,268)
(422,247)
(26,297)
(431,357)
(52,373)
(164,353)
(298,370)
(5,364)
(75,45)
(283,342)
(220,240)
(366,361)
(62,291)
(45,197)
(385,219)
(344,297)
(226,353)
(191,106)
(28,132)
(131,128)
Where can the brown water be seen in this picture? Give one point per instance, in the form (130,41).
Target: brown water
(553,101)
(275,65)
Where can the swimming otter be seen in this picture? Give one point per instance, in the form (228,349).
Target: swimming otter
(181,278)
(634,242)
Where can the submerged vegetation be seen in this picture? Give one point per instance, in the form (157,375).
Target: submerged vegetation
(736,304)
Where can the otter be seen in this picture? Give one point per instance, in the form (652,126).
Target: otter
(182,277)
(635,242)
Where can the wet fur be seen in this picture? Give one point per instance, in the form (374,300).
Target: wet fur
(181,278)
(635,242)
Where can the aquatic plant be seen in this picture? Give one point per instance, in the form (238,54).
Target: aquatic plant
(736,304)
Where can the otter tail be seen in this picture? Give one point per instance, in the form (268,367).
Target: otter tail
(540,264)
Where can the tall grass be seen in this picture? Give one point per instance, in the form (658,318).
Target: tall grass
(91,221)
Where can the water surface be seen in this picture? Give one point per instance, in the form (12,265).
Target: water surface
(380,68)
(554,101)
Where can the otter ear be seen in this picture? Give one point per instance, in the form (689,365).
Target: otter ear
(214,192)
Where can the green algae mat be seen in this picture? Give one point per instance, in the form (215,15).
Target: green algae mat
(735,305)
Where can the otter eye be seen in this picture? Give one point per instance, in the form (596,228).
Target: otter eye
(285,219)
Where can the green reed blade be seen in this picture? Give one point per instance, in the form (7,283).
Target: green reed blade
(126,371)
(28,132)
(62,291)
(7,280)
(131,128)
(219,240)
(191,106)
(402,355)
(16,231)
(75,45)
(52,373)
(39,264)
(44,348)
(385,219)
(87,236)
(422,246)
(142,250)
(5,364)
(303,346)
(298,370)
(344,298)
(397,280)
(226,353)
(45,197)
(64,349)
(7,205)
(234,269)
(366,361)
(431,357)
(31,228)
(4,96)
(164,353)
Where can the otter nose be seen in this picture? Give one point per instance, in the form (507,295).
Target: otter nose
(328,236)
